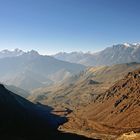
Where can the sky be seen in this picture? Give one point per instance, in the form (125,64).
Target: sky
(51,26)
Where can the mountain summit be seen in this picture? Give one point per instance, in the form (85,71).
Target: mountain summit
(8,53)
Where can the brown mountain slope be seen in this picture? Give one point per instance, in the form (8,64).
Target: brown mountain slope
(82,89)
(114,112)
(120,105)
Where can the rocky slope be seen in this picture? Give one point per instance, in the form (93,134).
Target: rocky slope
(82,89)
(114,112)
(129,136)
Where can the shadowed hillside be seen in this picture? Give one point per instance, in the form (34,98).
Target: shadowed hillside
(23,120)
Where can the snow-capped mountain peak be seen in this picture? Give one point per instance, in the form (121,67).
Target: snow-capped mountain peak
(11,53)
(127,44)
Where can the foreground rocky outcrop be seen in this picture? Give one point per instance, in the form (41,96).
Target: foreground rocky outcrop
(129,136)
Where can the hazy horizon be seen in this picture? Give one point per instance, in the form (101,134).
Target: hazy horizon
(53,53)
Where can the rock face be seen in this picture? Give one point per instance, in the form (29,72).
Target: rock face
(120,105)
(117,54)
(114,112)
(129,136)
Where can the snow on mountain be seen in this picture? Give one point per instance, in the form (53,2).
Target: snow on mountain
(116,54)
(8,53)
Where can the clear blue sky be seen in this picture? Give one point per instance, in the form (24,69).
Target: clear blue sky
(50,26)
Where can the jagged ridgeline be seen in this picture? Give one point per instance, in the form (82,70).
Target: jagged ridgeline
(116,54)
(30,70)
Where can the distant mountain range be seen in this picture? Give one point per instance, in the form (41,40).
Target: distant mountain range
(8,53)
(30,70)
(117,54)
